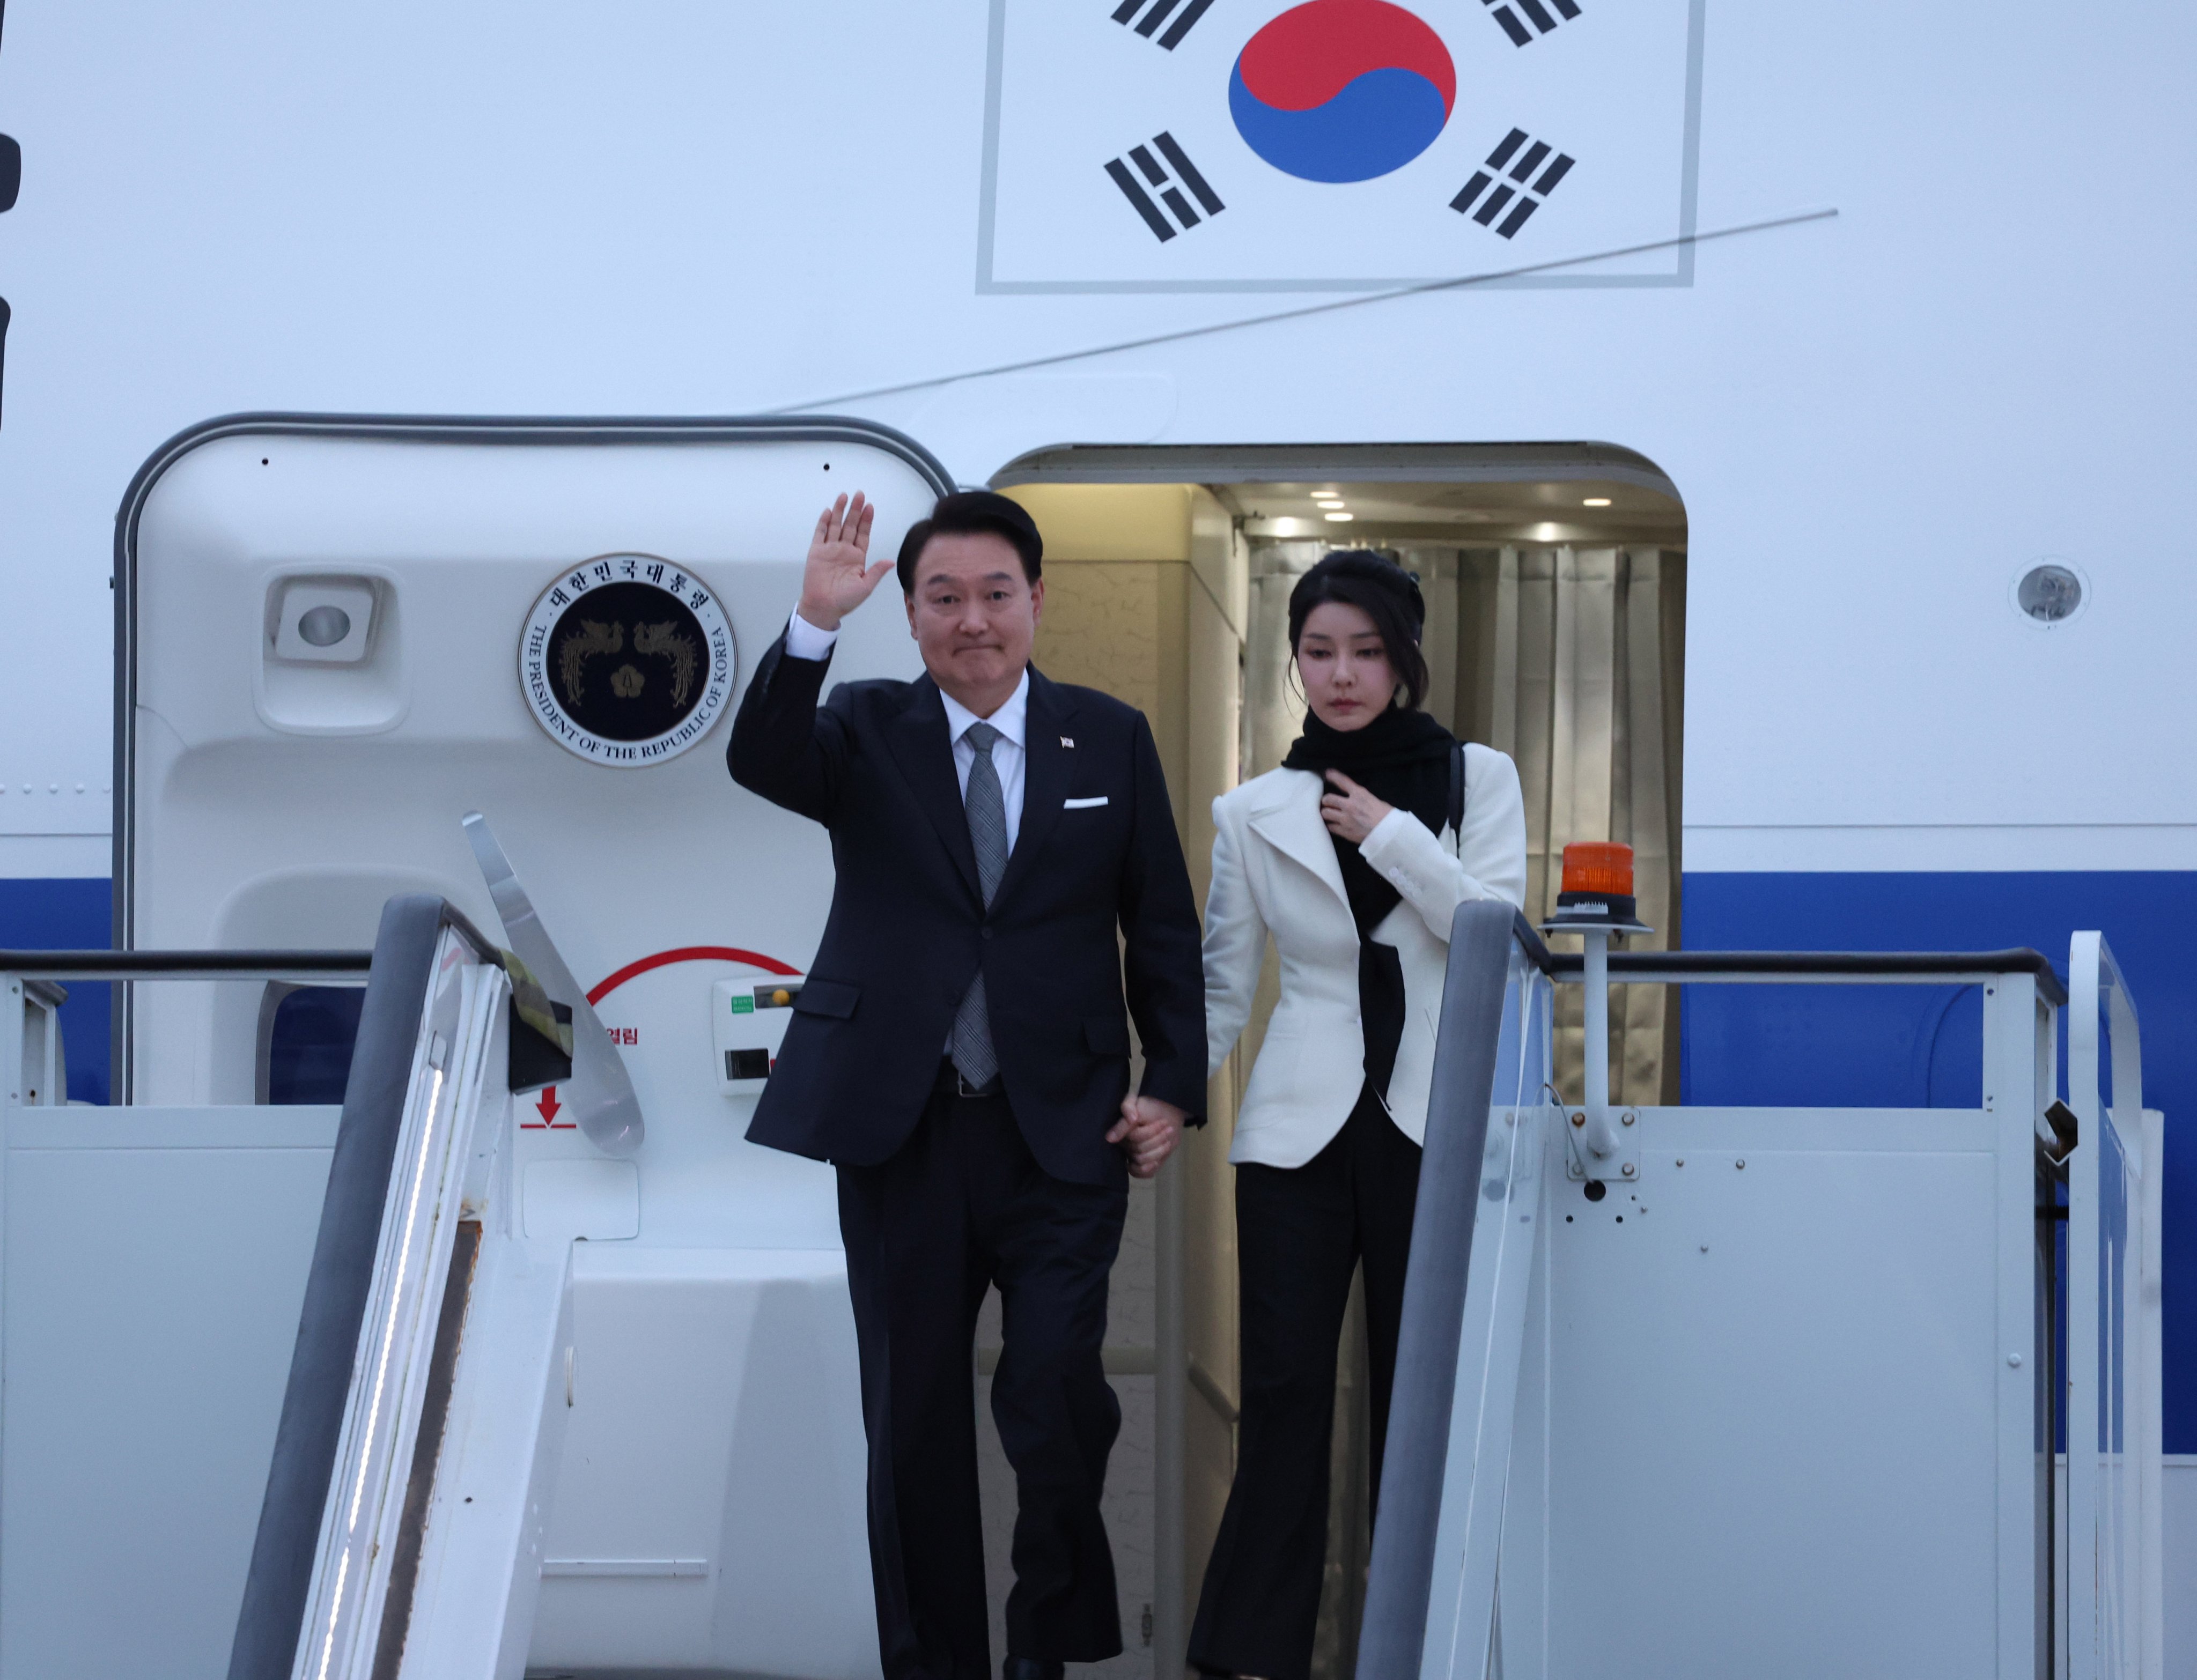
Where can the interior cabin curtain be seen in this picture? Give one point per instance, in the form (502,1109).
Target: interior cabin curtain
(1572,661)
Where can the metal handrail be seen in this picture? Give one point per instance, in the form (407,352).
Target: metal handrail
(341,1282)
(1890,968)
(1401,1575)
(2116,1587)
(185,965)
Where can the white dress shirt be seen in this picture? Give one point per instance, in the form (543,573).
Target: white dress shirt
(803,640)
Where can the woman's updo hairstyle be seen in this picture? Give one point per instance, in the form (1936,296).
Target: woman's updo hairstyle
(1385,594)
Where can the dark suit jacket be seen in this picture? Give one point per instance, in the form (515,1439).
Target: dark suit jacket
(908,928)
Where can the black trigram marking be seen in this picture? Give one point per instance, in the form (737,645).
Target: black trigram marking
(1538,10)
(1157,12)
(1165,187)
(1528,197)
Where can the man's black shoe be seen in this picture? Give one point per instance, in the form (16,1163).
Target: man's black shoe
(1029,1668)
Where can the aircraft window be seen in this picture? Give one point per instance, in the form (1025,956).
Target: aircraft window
(305,1047)
(2050,593)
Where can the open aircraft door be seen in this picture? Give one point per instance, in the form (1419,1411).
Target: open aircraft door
(335,638)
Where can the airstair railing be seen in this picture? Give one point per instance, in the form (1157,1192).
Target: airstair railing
(1816,968)
(1481,1050)
(33,1069)
(400,1071)
(127,965)
(1483,938)
(2115,1584)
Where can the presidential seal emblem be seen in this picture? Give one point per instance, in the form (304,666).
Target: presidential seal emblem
(627,660)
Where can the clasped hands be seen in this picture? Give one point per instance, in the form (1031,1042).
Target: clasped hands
(1148,1131)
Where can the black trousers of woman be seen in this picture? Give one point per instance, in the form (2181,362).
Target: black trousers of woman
(1301,1231)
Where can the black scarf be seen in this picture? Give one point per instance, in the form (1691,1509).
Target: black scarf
(1403,758)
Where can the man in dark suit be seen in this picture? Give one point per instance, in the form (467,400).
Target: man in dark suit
(1005,851)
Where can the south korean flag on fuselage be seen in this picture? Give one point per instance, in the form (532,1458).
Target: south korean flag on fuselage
(1333,144)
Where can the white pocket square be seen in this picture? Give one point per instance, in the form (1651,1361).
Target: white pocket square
(1082,804)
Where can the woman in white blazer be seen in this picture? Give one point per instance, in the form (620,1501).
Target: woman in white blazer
(1348,857)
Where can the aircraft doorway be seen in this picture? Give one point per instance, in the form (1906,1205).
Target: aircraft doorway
(1555,582)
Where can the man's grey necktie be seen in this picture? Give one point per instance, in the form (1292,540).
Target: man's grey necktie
(987,810)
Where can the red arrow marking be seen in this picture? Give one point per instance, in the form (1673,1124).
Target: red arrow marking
(549,1106)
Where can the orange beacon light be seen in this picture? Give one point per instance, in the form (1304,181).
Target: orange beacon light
(1596,889)
(1598,866)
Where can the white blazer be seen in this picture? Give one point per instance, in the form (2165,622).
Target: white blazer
(1275,871)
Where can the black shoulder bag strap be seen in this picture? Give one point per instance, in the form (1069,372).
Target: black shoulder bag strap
(1457,800)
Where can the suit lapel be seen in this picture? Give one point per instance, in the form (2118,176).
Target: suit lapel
(924,752)
(1291,824)
(1045,765)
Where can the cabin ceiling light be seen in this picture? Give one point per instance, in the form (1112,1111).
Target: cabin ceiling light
(1339,518)
(1596,502)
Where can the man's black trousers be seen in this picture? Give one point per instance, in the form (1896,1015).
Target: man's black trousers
(963,1205)
(1301,1231)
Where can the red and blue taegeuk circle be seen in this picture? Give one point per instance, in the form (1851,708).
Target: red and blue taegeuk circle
(1341,90)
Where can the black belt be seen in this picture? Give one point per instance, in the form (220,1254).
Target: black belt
(949,1082)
